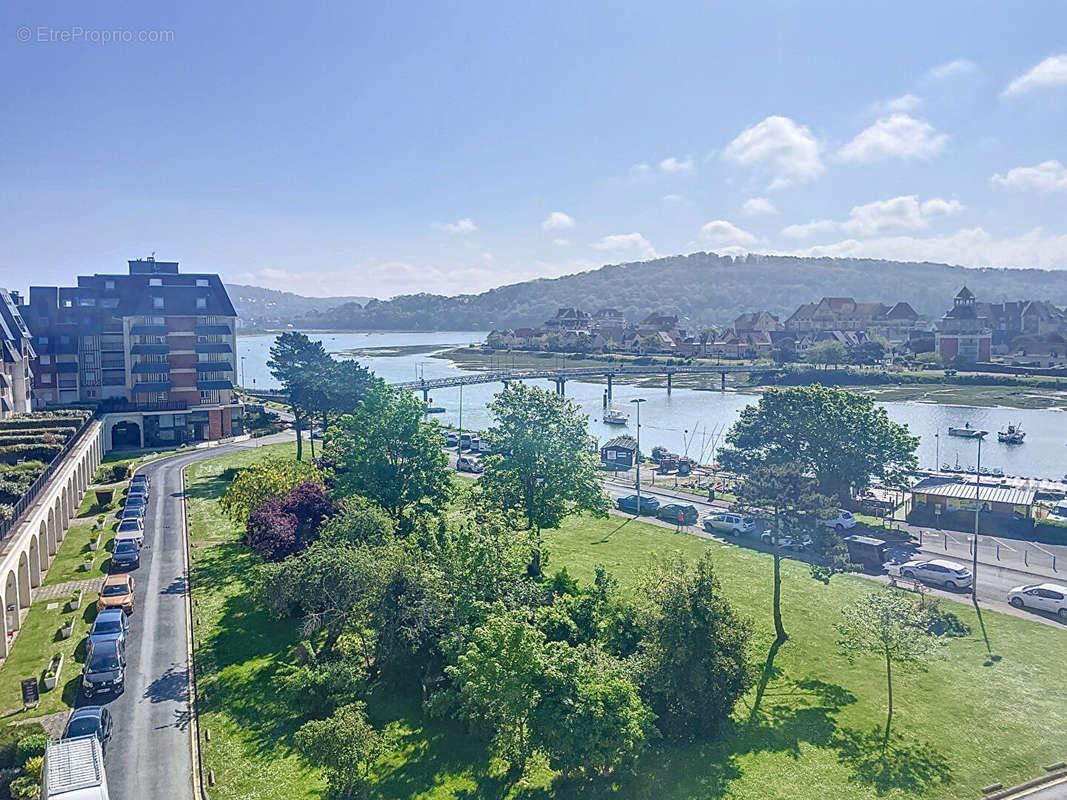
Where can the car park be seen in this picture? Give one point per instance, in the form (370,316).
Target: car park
(649,505)
(105,668)
(729,523)
(111,623)
(678,513)
(90,721)
(469,464)
(117,592)
(1048,597)
(126,555)
(787,541)
(938,571)
(843,521)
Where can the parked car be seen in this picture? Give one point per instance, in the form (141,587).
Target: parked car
(126,555)
(843,521)
(74,770)
(1050,597)
(671,512)
(111,623)
(950,574)
(140,477)
(787,541)
(649,505)
(469,464)
(131,524)
(90,721)
(105,668)
(451,439)
(135,500)
(132,512)
(117,592)
(729,523)
(482,447)
(137,491)
(464,441)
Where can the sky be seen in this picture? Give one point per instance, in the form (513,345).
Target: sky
(379,149)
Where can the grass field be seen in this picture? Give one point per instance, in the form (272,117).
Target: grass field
(811,729)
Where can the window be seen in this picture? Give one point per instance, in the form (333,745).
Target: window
(157,302)
(46,360)
(42,340)
(109,285)
(109,302)
(201,302)
(46,378)
(155,281)
(202,282)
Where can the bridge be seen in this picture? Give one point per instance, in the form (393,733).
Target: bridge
(560,376)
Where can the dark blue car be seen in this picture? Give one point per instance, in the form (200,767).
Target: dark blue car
(126,555)
(649,505)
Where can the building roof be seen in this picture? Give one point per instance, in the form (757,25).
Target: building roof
(623,442)
(987,492)
(965,294)
(902,310)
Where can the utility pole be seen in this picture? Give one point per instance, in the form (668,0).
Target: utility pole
(637,456)
(459,442)
(977,511)
(937,452)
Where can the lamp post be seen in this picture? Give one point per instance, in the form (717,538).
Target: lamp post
(242,371)
(937,451)
(977,511)
(637,456)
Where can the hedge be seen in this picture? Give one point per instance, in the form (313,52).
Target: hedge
(37,437)
(13,453)
(33,423)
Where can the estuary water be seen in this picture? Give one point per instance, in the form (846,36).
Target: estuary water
(686,421)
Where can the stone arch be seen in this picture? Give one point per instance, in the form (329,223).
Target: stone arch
(72,493)
(64,509)
(125,432)
(11,605)
(56,514)
(52,528)
(49,538)
(35,562)
(24,581)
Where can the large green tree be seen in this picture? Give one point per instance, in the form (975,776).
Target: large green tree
(385,450)
(547,467)
(843,438)
(346,746)
(298,364)
(795,505)
(272,477)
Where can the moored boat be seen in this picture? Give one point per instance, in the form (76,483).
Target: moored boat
(614,416)
(967,432)
(1013,435)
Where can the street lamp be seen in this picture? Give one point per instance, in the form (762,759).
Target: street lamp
(242,371)
(937,451)
(977,511)
(637,456)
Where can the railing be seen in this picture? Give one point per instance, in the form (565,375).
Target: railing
(162,405)
(30,496)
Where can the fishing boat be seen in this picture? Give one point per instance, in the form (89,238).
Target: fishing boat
(967,432)
(614,416)
(1013,435)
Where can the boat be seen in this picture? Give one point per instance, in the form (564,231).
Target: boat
(614,416)
(1013,435)
(434,409)
(967,432)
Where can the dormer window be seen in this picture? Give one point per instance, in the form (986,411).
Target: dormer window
(155,281)
(109,285)
(202,282)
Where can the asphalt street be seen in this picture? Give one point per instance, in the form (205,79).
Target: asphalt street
(150,757)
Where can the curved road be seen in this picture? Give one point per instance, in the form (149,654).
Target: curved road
(150,752)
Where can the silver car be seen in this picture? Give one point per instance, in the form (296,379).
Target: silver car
(1049,597)
(938,571)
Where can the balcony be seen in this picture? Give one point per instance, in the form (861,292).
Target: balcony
(153,387)
(66,366)
(150,349)
(213,330)
(148,330)
(214,366)
(213,347)
(142,367)
(207,386)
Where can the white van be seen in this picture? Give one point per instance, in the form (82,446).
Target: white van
(135,535)
(74,770)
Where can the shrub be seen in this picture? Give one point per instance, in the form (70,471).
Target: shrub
(31,746)
(271,531)
(33,767)
(112,473)
(24,787)
(9,739)
(12,453)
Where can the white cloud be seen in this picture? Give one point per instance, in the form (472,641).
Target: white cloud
(952,69)
(1050,72)
(672,198)
(465,225)
(903,213)
(673,164)
(642,167)
(721,233)
(896,136)
(788,151)
(626,241)
(758,205)
(557,221)
(809,228)
(971,247)
(904,104)
(561,242)
(1048,176)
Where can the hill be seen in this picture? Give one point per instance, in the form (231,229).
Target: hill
(704,287)
(258,307)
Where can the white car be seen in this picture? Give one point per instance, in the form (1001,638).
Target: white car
(843,521)
(1050,597)
(939,571)
(729,523)
(786,541)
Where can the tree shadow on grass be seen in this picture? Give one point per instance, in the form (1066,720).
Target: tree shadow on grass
(211,488)
(912,767)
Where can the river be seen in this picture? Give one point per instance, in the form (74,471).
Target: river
(686,421)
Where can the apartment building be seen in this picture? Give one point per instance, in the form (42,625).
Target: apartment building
(156,346)
(16,356)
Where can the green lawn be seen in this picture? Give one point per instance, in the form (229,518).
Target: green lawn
(810,729)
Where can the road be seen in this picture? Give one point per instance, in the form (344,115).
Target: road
(150,752)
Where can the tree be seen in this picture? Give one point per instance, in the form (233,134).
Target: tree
(387,452)
(827,352)
(298,363)
(869,352)
(691,658)
(795,504)
(345,384)
(271,531)
(358,521)
(272,477)
(889,625)
(551,469)
(841,437)
(345,746)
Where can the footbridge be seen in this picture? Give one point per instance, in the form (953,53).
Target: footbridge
(560,376)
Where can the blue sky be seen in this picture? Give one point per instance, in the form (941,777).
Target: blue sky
(385,148)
